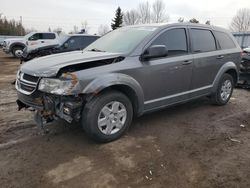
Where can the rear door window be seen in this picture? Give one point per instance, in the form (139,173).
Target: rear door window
(225,42)
(175,40)
(202,40)
(48,36)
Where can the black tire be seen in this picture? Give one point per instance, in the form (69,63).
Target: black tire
(216,97)
(92,110)
(14,49)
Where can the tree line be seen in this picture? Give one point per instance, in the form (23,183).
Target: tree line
(156,13)
(144,13)
(11,27)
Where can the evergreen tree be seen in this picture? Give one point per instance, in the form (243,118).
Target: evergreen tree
(117,21)
(10,27)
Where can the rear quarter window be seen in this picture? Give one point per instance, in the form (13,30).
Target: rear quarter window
(225,42)
(202,40)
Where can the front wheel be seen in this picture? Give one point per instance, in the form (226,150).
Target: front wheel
(17,51)
(224,90)
(107,116)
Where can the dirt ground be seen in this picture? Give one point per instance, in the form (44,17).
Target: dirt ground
(190,145)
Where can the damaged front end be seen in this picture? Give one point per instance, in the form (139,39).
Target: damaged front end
(56,92)
(51,98)
(51,107)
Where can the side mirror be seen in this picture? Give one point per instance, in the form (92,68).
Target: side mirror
(155,51)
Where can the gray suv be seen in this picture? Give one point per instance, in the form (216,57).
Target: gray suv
(129,72)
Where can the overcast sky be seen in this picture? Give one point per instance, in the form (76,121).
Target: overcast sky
(42,14)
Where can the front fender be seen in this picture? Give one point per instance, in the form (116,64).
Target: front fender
(16,44)
(226,67)
(112,79)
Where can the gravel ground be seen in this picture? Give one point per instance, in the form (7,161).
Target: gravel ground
(190,145)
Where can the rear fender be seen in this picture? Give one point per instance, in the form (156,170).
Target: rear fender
(226,67)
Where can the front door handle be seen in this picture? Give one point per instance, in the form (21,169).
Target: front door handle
(220,56)
(187,62)
(42,41)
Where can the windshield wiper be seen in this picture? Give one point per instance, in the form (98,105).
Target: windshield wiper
(96,50)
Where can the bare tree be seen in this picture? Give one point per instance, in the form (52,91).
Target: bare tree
(85,26)
(241,21)
(159,12)
(144,12)
(75,29)
(103,29)
(58,30)
(131,17)
(180,20)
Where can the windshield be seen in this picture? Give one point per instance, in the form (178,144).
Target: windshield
(122,40)
(63,38)
(29,35)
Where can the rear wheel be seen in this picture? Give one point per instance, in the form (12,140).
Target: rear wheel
(224,90)
(107,116)
(17,51)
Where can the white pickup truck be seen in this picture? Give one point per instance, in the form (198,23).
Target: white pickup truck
(33,39)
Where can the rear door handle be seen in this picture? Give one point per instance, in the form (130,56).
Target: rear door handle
(42,41)
(187,62)
(220,56)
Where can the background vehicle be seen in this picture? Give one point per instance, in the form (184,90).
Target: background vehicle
(244,79)
(67,43)
(16,45)
(129,72)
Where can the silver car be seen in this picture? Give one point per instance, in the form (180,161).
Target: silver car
(129,72)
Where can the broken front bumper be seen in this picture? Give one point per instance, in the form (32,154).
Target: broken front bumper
(49,107)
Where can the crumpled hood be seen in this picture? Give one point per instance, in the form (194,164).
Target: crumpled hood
(49,66)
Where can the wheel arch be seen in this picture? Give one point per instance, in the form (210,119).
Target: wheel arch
(17,44)
(234,74)
(120,82)
(229,68)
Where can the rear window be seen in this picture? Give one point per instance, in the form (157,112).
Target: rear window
(202,40)
(224,40)
(49,36)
